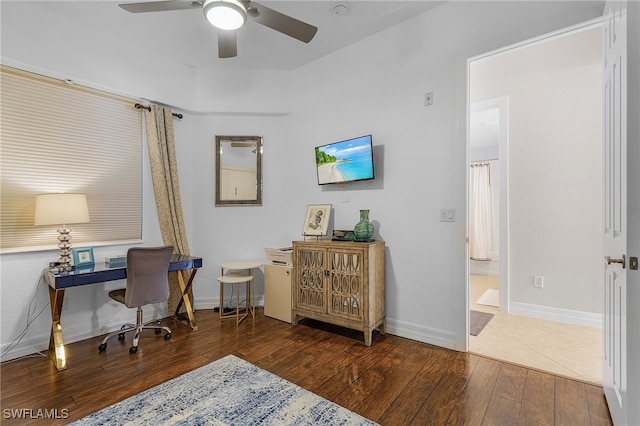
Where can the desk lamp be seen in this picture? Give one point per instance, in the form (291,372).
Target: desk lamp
(62,209)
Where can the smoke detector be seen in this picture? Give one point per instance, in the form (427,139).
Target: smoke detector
(340,9)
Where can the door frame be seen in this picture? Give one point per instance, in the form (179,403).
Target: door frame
(504,230)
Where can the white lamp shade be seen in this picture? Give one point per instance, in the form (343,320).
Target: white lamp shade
(225,14)
(61,209)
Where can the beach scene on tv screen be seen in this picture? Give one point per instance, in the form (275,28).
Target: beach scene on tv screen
(345,161)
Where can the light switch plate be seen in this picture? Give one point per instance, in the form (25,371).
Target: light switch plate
(428,99)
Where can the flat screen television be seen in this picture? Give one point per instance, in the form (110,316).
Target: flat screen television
(345,161)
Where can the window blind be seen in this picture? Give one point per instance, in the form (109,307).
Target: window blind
(61,137)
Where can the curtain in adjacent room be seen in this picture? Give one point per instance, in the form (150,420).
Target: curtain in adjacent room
(480,212)
(164,172)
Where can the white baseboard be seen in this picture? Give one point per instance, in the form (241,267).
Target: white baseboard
(568,316)
(419,333)
(214,302)
(485,272)
(432,336)
(206,303)
(75,333)
(397,328)
(484,267)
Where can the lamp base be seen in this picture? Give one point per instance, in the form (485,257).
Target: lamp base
(64,261)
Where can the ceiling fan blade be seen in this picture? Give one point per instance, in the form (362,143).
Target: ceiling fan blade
(227,44)
(281,22)
(161,6)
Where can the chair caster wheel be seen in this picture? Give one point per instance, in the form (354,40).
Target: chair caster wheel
(121,336)
(102,347)
(133,350)
(158,330)
(167,336)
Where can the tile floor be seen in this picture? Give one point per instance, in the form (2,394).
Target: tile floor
(569,350)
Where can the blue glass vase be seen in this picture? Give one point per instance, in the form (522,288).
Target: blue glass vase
(363,231)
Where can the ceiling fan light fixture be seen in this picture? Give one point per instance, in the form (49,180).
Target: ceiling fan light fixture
(225,14)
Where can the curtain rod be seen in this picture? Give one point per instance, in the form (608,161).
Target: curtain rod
(148,108)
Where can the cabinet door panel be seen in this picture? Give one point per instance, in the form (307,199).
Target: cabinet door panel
(310,289)
(345,283)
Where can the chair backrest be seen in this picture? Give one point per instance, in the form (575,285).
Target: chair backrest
(147,281)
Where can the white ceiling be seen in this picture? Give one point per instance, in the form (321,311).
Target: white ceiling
(186,37)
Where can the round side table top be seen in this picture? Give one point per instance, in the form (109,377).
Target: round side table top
(242,264)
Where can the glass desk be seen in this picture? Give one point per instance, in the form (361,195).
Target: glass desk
(58,282)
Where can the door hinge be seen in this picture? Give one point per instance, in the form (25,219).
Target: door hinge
(633,263)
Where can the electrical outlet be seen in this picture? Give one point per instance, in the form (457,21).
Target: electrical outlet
(447,215)
(538,281)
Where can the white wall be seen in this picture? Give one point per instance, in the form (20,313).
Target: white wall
(36,39)
(555,168)
(376,86)
(423,151)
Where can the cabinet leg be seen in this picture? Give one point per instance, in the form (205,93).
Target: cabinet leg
(368,332)
(382,327)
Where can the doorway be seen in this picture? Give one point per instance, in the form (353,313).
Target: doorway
(488,144)
(549,208)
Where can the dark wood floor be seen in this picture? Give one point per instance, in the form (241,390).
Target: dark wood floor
(396,381)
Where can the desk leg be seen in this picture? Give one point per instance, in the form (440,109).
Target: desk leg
(56,344)
(191,319)
(251,307)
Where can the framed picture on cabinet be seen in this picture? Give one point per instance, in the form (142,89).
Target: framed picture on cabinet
(316,220)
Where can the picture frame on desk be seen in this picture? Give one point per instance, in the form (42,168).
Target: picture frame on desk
(316,220)
(83,257)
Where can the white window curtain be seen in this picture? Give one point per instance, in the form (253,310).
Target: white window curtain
(480,212)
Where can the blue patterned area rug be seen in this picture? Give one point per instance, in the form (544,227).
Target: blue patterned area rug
(229,391)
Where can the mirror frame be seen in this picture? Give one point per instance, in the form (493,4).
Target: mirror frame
(258,200)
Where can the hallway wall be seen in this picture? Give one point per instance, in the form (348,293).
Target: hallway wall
(555,203)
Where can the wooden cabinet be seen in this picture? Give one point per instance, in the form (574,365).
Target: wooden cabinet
(340,282)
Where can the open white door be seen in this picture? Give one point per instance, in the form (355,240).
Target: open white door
(619,339)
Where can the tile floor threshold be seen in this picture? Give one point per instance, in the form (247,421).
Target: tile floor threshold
(568,350)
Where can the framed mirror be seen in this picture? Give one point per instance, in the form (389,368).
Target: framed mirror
(238,170)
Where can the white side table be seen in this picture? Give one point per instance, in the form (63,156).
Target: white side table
(236,273)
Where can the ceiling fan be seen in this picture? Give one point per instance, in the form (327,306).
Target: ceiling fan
(229,15)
